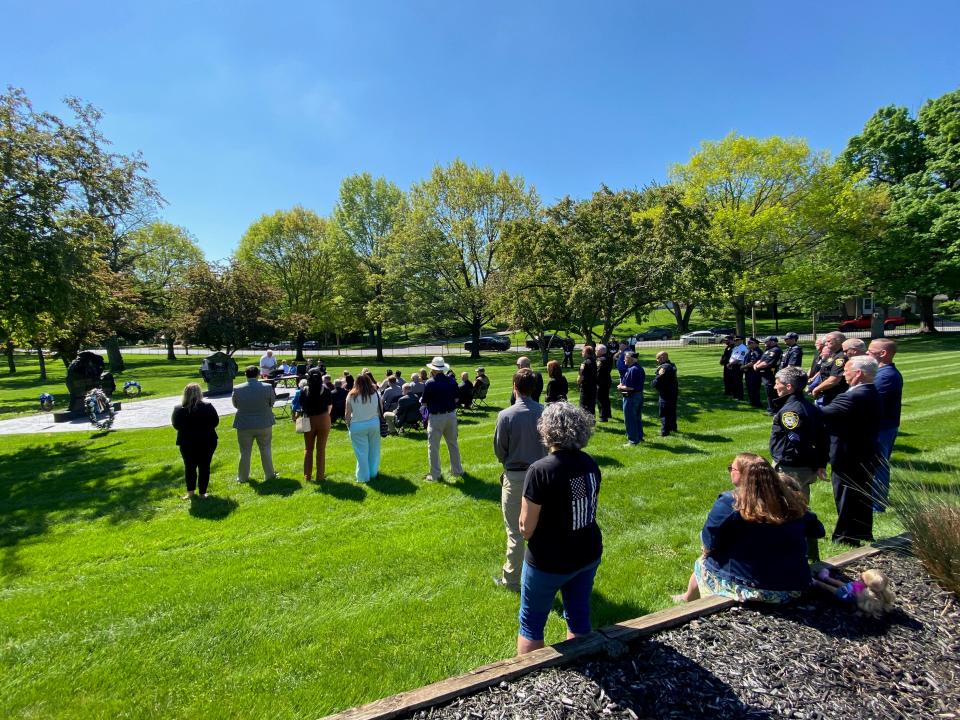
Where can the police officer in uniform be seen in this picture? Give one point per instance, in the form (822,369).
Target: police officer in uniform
(567,347)
(751,376)
(799,443)
(725,363)
(587,380)
(735,367)
(604,368)
(767,365)
(793,355)
(665,383)
(832,362)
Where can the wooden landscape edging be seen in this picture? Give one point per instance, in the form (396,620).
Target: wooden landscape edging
(611,638)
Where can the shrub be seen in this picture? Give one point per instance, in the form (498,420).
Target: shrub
(949,308)
(930,512)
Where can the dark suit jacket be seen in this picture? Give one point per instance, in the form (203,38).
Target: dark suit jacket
(853,421)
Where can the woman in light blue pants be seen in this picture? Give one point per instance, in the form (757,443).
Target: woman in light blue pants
(363,420)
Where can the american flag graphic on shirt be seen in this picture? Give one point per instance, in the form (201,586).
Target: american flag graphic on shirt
(583,500)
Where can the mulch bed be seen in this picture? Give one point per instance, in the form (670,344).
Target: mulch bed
(816,660)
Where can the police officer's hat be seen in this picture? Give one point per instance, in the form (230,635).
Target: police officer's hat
(791,336)
(771,338)
(753,340)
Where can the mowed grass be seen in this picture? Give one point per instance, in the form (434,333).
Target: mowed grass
(287,600)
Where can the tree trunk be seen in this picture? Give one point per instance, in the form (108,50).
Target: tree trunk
(927,324)
(475,336)
(42,361)
(171,355)
(684,325)
(112,344)
(11,363)
(301,339)
(739,303)
(379,341)
(775,312)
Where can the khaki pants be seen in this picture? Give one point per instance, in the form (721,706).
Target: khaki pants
(445,426)
(264,438)
(805,477)
(391,418)
(511,496)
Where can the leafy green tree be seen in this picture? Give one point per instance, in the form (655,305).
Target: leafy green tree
(450,247)
(366,218)
(294,252)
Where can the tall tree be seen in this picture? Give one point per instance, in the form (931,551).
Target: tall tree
(367,217)
(294,252)
(451,243)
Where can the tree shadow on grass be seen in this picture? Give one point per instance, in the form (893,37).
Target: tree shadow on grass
(45,485)
(342,490)
(706,437)
(284,487)
(212,508)
(606,461)
(906,449)
(476,488)
(392,485)
(924,465)
(676,449)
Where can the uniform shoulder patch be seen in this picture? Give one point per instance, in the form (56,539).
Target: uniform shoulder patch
(838,362)
(661,371)
(790,420)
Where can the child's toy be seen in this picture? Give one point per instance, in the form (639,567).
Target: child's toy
(871,591)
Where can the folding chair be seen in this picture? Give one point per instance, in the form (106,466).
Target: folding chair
(480,397)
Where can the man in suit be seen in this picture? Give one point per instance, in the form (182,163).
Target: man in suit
(604,368)
(254,421)
(853,422)
(524,362)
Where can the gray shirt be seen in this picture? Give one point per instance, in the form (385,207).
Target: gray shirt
(515,439)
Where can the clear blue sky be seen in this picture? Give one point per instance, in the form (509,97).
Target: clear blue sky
(243,108)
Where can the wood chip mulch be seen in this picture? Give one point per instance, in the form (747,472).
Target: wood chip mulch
(815,660)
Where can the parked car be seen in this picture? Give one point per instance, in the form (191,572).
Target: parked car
(553,342)
(655,333)
(863,322)
(490,342)
(283,345)
(311,345)
(723,331)
(700,337)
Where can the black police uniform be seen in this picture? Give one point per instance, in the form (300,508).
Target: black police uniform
(727,372)
(588,385)
(832,366)
(604,368)
(568,347)
(665,383)
(752,377)
(767,375)
(792,356)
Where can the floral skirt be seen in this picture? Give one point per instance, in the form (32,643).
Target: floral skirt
(712,584)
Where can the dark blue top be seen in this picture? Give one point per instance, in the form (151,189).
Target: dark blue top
(889,383)
(621,364)
(755,554)
(634,378)
(440,394)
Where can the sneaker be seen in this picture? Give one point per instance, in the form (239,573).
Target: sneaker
(431,478)
(502,584)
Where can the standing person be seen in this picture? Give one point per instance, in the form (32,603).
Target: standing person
(363,421)
(666,384)
(737,358)
(315,404)
(557,386)
(268,363)
(729,344)
(631,388)
(853,347)
(853,421)
(751,375)
(254,422)
(517,445)
(793,355)
(587,380)
(195,422)
(767,365)
(524,362)
(558,519)
(440,397)
(832,362)
(889,384)
(621,358)
(604,368)
(568,347)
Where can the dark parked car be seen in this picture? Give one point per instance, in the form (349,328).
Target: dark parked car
(283,345)
(490,342)
(655,333)
(311,345)
(554,342)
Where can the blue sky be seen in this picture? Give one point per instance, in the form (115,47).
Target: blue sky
(244,108)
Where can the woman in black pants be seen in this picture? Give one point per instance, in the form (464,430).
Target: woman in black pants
(195,421)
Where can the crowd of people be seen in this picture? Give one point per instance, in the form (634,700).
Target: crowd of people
(758,538)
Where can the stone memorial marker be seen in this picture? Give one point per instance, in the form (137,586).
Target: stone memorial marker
(218,370)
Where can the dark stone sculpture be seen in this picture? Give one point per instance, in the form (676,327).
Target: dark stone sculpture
(219,370)
(82,376)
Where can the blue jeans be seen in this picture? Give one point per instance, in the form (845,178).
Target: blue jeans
(881,477)
(537,591)
(365,438)
(633,416)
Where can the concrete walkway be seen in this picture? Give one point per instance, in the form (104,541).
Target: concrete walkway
(133,414)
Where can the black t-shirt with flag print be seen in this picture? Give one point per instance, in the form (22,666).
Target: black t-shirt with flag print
(565,484)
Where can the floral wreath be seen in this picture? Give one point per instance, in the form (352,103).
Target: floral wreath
(46,401)
(98,402)
(131,388)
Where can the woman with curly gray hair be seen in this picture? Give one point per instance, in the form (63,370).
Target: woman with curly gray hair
(558,519)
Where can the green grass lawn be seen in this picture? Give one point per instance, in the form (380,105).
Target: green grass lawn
(286,600)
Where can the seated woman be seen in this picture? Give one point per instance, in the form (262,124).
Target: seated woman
(755,539)
(557,386)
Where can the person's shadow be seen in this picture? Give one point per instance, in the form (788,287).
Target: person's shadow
(212,508)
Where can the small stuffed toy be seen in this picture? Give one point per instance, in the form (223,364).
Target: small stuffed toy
(871,591)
